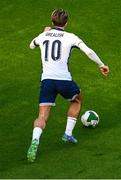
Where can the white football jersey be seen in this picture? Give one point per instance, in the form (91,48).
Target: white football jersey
(56,46)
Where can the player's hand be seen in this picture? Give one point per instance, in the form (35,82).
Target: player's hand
(104,70)
(47,28)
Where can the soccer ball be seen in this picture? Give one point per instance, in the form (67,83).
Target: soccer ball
(90,119)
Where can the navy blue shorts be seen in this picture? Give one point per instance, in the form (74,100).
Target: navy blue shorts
(51,88)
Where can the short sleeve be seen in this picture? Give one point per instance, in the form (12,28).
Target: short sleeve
(35,42)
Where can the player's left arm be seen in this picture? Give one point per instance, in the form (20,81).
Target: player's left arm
(47,28)
(94,57)
(34,42)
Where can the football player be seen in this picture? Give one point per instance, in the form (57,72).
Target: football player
(56,45)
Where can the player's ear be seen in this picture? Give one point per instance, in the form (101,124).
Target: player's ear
(52,24)
(65,24)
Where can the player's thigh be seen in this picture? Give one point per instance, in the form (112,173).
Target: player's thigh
(48,93)
(69,90)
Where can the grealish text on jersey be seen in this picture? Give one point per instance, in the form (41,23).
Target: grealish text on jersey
(54,34)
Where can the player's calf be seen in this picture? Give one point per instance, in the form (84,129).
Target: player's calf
(40,122)
(75,107)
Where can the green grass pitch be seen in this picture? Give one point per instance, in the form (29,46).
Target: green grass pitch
(98,153)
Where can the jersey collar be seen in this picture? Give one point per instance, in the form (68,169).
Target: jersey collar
(57,28)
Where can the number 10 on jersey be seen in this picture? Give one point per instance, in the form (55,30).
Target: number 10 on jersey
(54,48)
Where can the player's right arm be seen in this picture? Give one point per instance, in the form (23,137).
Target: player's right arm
(92,55)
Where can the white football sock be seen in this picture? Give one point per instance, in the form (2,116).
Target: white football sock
(37,131)
(71,122)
